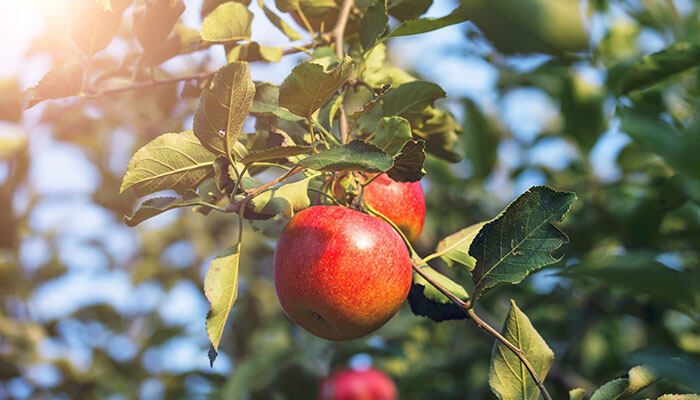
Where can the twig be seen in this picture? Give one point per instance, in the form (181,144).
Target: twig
(338,33)
(467,308)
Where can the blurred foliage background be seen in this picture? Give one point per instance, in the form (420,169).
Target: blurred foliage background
(92,309)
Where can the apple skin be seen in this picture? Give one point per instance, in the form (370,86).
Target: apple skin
(367,384)
(340,274)
(402,202)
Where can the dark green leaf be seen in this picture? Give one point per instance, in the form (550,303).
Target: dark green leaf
(154,21)
(252,51)
(408,9)
(223,107)
(356,155)
(64,81)
(373,24)
(672,366)
(221,289)
(416,26)
(10,100)
(411,97)
(440,131)
(481,137)
(392,134)
(229,22)
(455,248)
(508,378)
(521,239)
(276,152)
(638,378)
(427,301)
(408,164)
(651,69)
(172,161)
(308,87)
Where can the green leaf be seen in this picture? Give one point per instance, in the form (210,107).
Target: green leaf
(224,106)
(172,161)
(253,51)
(373,24)
(671,365)
(679,397)
(271,153)
(285,200)
(427,301)
(279,23)
(377,96)
(481,140)
(154,21)
(221,289)
(210,5)
(356,155)
(308,87)
(10,100)
(408,9)
(508,377)
(530,26)
(266,103)
(577,394)
(422,25)
(95,22)
(183,40)
(411,97)
(64,81)
(157,205)
(638,378)
(455,248)
(229,22)
(521,239)
(408,164)
(654,68)
(440,131)
(392,134)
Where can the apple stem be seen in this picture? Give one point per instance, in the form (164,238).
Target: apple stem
(467,308)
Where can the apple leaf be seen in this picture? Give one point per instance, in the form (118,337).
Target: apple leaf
(373,24)
(285,200)
(508,378)
(356,155)
(651,69)
(377,96)
(221,289)
(271,153)
(408,9)
(175,161)
(183,40)
(224,106)
(279,23)
(408,164)
(154,21)
(521,239)
(95,23)
(638,378)
(64,81)
(392,134)
(577,394)
(427,301)
(266,103)
(455,248)
(422,25)
(229,22)
(411,97)
(679,397)
(253,51)
(308,87)
(157,205)
(10,100)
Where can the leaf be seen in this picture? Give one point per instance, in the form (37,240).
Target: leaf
(154,21)
(481,140)
(224,106)
(266,103)
(376,98)
(416,26)
(411,97)
(229,22)
(221,289)
(10,100)
(440,131)
(392,134)
(671,365)
(275,152)
(508,377)
(373,24)
(427,301)
(182,40)
(408,9)
(172,161)
(356,155)
(279,23)
(253,51)
(285,200)
(638,378)
(408,164)
(95,22)
(577,394)
(654,68)
(308,87)
(521,239)
(455,248)
(679,397)
(64,81)
(157,205)
(530,26)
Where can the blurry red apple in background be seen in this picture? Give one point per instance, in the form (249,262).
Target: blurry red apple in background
(402,202)
(349,384)
(339,273)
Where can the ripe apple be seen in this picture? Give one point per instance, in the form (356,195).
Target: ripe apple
(350,384)
(339,273)
(402,202)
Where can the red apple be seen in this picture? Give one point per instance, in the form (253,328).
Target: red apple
(368,384)
(339,273)
(402,202)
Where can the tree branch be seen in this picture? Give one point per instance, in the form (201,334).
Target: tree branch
(467,308)
(338,33)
